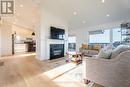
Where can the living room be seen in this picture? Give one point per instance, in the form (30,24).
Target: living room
(82,43)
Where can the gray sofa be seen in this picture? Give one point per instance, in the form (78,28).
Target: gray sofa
(90,53)
(113,72)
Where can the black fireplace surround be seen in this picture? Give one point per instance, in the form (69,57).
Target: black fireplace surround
(56,51)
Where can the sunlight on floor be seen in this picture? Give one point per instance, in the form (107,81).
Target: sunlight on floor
(59,77)
(28,54)
(19,55)
(66,75)
(56,72)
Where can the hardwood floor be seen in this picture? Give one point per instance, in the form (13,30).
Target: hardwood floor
(26,71)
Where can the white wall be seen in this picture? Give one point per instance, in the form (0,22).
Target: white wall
(22,32)
(71,39)
(6,39)
(0,40)
(81,36)
(43,34)
(82,33)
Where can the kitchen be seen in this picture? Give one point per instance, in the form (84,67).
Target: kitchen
(23,40)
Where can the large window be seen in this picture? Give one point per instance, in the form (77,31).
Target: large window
(116,36)
(101,36)
(106,36)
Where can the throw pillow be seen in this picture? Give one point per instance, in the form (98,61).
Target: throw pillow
(108,47)
(119,50)
(84,46)
(104,54)
(96,47)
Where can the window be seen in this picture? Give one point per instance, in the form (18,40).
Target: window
(116,36)
(101,36)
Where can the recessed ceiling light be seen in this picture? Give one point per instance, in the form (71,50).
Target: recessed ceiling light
(108,15)
(21,6)
(103,1)
(75,13)
(83,22)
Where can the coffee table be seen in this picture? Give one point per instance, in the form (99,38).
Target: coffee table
(74,57)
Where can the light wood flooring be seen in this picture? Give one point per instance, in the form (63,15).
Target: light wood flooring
(26,71)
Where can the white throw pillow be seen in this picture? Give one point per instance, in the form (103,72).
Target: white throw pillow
(106,54)
(109,47)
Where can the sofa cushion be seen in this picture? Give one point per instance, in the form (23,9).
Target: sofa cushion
(85,51)
(93,52)
(119,50)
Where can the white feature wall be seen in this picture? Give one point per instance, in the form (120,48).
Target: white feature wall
(81,37)
(6,39)
(0,40)
(71,39)
(43,34)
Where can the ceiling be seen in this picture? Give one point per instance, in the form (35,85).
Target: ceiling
(89,12)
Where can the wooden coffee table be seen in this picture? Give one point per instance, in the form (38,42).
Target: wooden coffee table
(74,57)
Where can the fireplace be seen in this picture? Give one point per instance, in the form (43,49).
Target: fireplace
(56,51)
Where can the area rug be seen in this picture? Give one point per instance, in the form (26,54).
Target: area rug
(61,72)
(77,75)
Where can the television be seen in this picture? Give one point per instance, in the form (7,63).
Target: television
(57,33)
